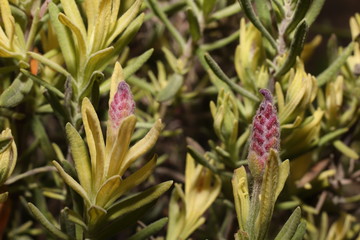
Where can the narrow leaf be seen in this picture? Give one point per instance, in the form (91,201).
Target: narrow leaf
(95,141)
(346,150)
(300,231)
(80,156)
(330,72)
(295,49)
(46,223)
(301,8)
(43,83)
(125,20)
(194,25)
(220,74)
(250,13)
(171,89)
(137,63)
(314,11)
(106,191)
(162,16)
(268,189)
(15,93)
(80,36)
(72,183)
(49,63)
(133,180)
(142,146)
(290,227)
(150,230)
(137,200)
(64,38)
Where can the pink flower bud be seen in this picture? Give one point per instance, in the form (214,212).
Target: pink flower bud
(265,135)
(122,105)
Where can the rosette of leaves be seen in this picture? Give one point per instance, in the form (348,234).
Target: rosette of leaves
(100,166)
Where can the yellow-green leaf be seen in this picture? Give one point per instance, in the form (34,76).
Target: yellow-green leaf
(117,150)
(142,146)
(268,189)
(80,157)
(107,190)
(241,196)
(72,183)
(95,141)
(133,180)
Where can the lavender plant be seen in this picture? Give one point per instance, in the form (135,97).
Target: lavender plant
(104,104)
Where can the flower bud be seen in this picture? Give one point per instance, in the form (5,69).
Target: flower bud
(122,105)
(265,135)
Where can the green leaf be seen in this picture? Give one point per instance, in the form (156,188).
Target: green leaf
(136,201)
(194,25)
(249,12)
(300,231)
(262,9)
(226,12)
(221,43)
(332,135)
(171,28)
(200,159)
(64,38)
(105,231)
(40,132)
(290,227)
(330,72)
(173,86)
(302,7)
(150,230)
(43,83)
(136,63)
(49,63)
(314,11)
(220,74)
(96,76)
(54,231)
(72,183)
(93,63)
(80,156)
(295,49)
(347,151)
(60,111)
(267,201)
(15,93)
(74,218)
(208,6)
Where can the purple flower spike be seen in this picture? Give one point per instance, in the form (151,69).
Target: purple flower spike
(265,135)
(122,105)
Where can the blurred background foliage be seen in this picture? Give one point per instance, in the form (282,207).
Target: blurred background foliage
(197,65)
